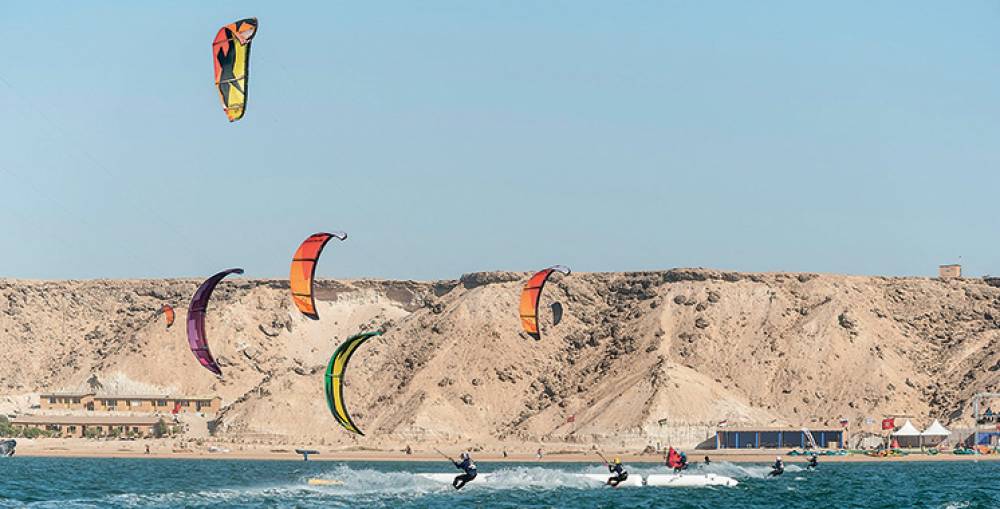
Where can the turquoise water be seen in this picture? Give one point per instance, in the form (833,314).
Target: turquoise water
(73,483)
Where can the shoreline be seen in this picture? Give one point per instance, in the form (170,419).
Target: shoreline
(161,451)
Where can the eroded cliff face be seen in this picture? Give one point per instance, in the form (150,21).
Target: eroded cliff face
(637,357)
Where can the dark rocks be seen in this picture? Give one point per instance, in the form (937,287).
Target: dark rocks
(846,321)
(474,279)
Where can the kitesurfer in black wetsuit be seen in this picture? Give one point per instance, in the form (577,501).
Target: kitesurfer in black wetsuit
(813,462)
(470,471)
(618,473)
(7,447)
(778,468)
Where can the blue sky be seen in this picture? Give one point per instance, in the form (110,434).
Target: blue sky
(448,137)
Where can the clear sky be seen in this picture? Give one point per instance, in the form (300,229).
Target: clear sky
(453,136)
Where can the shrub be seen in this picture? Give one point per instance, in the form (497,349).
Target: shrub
(160,428)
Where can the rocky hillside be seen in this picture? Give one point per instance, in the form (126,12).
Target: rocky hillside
(637,358)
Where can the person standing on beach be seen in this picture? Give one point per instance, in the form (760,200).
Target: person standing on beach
(538,455)
(468,467)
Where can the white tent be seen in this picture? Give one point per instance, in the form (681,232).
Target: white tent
(908,435)
(936,430)
(935,434)
(907,430)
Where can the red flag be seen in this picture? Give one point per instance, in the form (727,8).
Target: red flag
(845,422)
(888,423)
(673,458)
(177,407)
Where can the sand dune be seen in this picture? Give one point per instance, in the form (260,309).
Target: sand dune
(638,358)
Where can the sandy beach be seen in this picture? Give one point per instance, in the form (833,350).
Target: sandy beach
(75,448)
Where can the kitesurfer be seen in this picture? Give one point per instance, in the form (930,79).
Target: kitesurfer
(813,462)
(684,462)
(618,473)
(778,468)
(7,447)
(470,471)
(674,460)
(708,461)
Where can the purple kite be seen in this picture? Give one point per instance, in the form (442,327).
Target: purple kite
(196,320)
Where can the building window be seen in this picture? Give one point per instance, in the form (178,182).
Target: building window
(76,400)
(185,403)
(52,401)
(136,402)
(161,402)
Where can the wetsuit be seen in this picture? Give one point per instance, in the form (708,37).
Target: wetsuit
(470,473)
(777,469)
(619,474)
(813,462)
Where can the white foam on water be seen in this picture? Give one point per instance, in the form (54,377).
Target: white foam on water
(725,468)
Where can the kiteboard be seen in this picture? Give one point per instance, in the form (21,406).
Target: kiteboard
(448,478)
(633,481)
(689,480)
(324,482)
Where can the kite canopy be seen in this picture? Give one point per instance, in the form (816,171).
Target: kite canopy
(335,379)
(530,296)
(231,54)
(196,320)
(304,270)
(168,313)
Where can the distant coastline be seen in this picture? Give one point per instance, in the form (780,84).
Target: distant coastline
(72,448)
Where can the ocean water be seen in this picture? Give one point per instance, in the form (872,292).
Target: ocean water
(92,483)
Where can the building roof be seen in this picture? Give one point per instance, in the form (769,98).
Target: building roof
(85,420)
(124,396)
(773,429)
(155,396)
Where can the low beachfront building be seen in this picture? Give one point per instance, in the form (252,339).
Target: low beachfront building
(67,401)
(69,426)
(779,438)
(145,403)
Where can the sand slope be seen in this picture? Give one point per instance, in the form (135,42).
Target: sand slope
(638,358)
